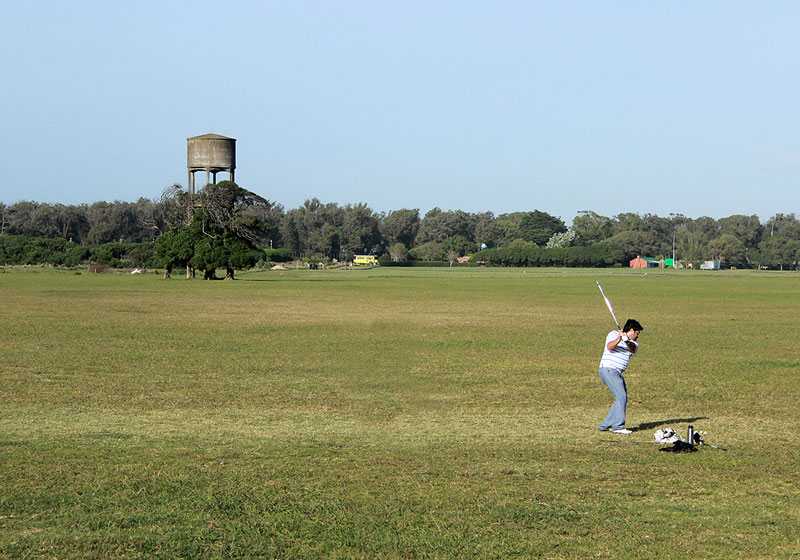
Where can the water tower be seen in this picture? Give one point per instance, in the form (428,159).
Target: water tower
(211,153)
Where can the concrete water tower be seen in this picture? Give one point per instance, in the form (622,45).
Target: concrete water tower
(211,153)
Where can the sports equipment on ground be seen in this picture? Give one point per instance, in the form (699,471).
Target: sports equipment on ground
(608,304)
(666,435)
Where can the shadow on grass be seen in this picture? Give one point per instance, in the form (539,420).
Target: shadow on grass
(651,425)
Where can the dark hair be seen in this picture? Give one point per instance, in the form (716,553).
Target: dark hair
(632,324)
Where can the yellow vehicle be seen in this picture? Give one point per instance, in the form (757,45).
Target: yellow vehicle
(365,259)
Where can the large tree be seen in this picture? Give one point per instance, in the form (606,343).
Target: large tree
(222,249)
(169,210)
(270,215)
(746,229)
(438,226)
(506,227)
(590,227)
(635,244)
(222,233)
(360,230)
(314,229)
(783,225)
(539,227)
(485,232)
(226,205)
(627,221)
(459,245)
(727,249)
(115,221)
(176,247)
(229,230)
(779,252)
(400,226)
(331,231)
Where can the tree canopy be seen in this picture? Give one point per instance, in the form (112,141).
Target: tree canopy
(231,215)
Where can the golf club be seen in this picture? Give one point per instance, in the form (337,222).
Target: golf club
(608,303)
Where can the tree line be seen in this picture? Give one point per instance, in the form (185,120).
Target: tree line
(322,231)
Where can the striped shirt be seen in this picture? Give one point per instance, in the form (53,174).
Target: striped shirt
(619,357)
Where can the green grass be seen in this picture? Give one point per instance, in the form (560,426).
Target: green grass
(394,413)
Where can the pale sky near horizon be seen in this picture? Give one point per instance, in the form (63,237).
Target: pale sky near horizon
(502,106)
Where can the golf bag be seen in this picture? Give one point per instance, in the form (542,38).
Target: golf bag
(666,435)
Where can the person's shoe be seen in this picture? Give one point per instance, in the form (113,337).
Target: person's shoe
(623,431)
(604,429)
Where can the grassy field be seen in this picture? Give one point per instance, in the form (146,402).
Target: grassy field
(395,413)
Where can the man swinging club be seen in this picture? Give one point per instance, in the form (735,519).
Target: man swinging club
(620,346)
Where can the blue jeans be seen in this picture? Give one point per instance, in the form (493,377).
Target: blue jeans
(616,384)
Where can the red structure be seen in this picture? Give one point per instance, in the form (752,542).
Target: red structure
(639,262)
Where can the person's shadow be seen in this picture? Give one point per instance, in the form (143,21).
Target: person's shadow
(651,425)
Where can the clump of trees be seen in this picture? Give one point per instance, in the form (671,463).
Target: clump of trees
(232,226)
(221,230)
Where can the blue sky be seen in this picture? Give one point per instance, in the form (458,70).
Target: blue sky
(610,106)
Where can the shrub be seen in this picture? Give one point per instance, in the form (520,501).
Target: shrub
(109,254)
(278,255)
(599,255)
